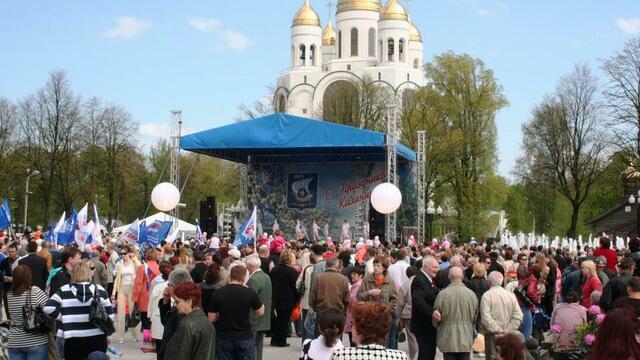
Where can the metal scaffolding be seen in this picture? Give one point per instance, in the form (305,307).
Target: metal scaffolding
(420,182)
(174,177)
(392,157)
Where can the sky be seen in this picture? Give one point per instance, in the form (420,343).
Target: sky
(207,58)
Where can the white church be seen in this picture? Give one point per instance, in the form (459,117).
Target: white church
(368,40)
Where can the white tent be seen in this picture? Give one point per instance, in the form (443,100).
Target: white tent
(184,227)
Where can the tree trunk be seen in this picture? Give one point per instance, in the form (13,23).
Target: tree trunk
(575,206)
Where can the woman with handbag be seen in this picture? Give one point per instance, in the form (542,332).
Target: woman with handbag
(86,314)
(123,288)
(24,296)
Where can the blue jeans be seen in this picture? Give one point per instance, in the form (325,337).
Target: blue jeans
(60,344)
(235,350)
(526,328)
(38,352)
(392,340)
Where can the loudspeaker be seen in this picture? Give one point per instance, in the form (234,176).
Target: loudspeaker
(376,224)
(208,218)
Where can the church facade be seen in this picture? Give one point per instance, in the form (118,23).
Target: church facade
(369,41)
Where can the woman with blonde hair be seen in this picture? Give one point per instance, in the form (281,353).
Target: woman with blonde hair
(591,284)
(123,288)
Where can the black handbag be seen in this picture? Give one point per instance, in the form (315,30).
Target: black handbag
(133,319)
(34,319)
(98,314)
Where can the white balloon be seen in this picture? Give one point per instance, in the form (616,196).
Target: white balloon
(386,198)
(165,196)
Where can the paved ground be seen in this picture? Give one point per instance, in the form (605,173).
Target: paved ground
(132,351)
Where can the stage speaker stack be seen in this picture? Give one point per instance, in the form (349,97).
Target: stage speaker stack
(208,218)
(376,224)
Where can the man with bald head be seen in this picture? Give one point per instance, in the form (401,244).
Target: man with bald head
(423,297)
(457,307)
(442,278)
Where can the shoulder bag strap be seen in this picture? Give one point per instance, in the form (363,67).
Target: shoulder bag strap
(304,273)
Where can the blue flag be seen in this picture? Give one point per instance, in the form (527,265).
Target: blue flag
(143,234)
(157,231)
(67,233)
(247,233)
(5,214)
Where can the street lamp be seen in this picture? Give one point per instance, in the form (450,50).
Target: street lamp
(632,200)
(433,213)
(26,194)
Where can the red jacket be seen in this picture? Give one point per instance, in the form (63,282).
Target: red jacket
(592,284)
(144,276)
(610,255)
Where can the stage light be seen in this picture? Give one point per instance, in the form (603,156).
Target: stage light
(386,198)
(165,196)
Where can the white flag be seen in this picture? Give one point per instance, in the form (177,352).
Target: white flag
(82,233)
(58,227)
(96,235)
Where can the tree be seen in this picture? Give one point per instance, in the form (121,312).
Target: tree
(564,142)
(622,95)
(49,122)
(358,103)
(469,98)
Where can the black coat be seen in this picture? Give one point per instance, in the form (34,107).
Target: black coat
(283,284)
(423,296)
(479,286)
(615,289)
(170,319)
(442,278)
(59,280)
(39,271)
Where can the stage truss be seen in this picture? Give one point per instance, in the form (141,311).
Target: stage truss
(420,182)
(392,158)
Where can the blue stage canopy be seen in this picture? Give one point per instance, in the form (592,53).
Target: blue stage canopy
(282,138)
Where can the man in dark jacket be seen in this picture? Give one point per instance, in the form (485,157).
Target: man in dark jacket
(169,315)
(617,287)
(442,277)
(69,257)
(37,265)
(423,297)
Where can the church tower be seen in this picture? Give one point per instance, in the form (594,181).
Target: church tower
(368,40)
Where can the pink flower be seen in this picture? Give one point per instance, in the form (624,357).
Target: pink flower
(595,310)
(556,328)
(600,318)
(589,339)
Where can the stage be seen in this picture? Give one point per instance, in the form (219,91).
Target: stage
(304,170)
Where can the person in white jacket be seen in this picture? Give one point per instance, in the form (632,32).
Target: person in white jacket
(154,312)
(499,312)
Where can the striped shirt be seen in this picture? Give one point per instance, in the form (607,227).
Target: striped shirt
(71,304)
(17,337)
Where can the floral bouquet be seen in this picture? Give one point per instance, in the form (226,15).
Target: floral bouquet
(583,336)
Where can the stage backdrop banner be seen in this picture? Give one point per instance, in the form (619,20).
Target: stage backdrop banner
(326,193)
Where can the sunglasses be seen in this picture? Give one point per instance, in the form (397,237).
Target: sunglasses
(92,268)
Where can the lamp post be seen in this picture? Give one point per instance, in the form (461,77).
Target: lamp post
(26,195)
(433,213)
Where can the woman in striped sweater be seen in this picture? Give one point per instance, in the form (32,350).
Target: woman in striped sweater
(71,306)
(22,345)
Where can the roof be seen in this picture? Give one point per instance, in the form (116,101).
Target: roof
(288,138)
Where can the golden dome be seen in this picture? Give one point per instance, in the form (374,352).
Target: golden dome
(370,5)
(306,15)
(393,11)
(631,175)
(328,35)
(414,33)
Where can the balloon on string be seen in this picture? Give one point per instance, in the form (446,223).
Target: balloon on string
(386,198)
(165,196)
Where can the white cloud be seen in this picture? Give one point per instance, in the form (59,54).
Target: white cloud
(630,26)
(236,41)
(154,130)
(205,25)
(483,12)
(126,28)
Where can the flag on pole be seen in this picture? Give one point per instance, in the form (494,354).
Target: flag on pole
(67,232)
(199,239)
(96,235)
(82,231)
(142,234)
(157,231)
(5,215)
(55,231)
(131,234)
(247,233)
(172,236)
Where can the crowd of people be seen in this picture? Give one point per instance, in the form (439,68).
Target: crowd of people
(209,300)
